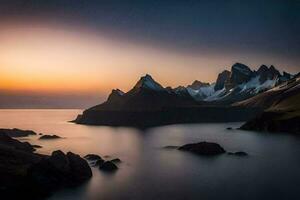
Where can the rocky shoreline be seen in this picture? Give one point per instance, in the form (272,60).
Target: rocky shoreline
(28,175)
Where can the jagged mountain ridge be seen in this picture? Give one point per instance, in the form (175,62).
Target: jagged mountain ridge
(238,84)
(149,104)
(231,86)
(146,95)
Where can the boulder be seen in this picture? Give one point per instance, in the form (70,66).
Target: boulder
(92,157)
(108,166)
(58,171)
(203,148)
(79,168)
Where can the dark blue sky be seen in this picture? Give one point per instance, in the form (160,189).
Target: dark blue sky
(269,27)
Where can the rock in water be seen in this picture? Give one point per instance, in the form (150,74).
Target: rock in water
(203,148)
(108,166)
(59,170)
(49,137)
(92,157)
(99,162)
(16,132)
(79,168)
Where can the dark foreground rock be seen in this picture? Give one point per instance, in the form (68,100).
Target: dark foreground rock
(58,171)
(28,175)
(49,137)
(108,166)
(9,142)
(16,132)
(275,122)
(203,148)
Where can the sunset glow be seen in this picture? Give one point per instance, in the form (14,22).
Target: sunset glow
(88,49)
(39,58)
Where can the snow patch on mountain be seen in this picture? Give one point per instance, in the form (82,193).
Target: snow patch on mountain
(148,82)
(268,84)
(217,95)
(253,83)
(202,92)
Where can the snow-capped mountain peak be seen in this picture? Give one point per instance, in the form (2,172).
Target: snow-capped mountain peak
(239,83)
(149,83)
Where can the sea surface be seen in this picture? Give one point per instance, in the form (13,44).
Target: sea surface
(149,172)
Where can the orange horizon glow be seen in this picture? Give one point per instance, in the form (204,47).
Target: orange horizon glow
(39,58)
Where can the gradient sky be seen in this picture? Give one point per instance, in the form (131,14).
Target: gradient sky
(68,53)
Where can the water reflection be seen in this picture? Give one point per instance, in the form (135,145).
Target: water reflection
(151,172)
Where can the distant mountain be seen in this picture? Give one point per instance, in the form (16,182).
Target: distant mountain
(238,84)
(148,103)
(147,94)
(282,109)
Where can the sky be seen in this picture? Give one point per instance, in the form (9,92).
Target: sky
(71,53)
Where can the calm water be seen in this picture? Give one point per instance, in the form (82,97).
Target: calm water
(272,171)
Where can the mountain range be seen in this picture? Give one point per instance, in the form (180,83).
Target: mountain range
(148,103)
